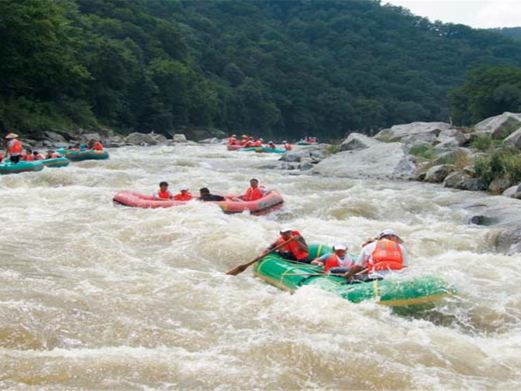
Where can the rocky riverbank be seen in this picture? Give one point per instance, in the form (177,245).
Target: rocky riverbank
(485,157)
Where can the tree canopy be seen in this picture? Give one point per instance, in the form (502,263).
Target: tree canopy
(288,68)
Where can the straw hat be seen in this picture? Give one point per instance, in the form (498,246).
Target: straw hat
(11,136)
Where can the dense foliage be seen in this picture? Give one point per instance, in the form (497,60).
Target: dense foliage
(486,92)
(293,67)
(512,32)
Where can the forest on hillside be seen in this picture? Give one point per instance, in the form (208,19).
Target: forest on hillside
(512,32)
(281,68)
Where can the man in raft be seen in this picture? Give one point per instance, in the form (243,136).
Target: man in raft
(163,194)
(287,146)
(381,256)
(205,195)
(296,250)
(254,192)
(184,195)
(336,262)
(13,147)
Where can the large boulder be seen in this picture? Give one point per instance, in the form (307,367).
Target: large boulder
(141,139)
(179,138)
(382,161)
(511,191)
(461,180)
(514,140)
(54,137)
(115,141)
(437,174)
(499,126)
(451,138)
(413,133)
(314,153)
(356,141)
(499,185)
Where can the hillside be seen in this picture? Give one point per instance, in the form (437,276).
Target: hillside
(282,68)
(512,32)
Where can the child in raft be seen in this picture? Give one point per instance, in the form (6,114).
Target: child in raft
(163,194)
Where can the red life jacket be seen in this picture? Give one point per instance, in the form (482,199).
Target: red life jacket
(334,261)
(164,195)
(29,158)
(288,147)
(252,194)
(183,197)
(98,146)
(272,146)
(14,147)
(386,256)
(293,247)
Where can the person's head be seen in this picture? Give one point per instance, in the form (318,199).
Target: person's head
(254,182)
(284,142)
(204,191)
(36,153)
(184,189)
(286,233)
(390,235)
(11,136)
(29,151)
(234,135)
(340,248)
(163,186)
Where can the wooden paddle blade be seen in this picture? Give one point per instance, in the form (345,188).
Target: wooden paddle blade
(237,270)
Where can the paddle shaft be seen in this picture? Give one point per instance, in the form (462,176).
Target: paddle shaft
(239,269)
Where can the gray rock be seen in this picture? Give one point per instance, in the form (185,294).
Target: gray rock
(511,191)
(141,139)
(179,138)
(437,174)
(499,126)
(451,138)
(461,180)
(413,133)
(383,161)
(314,152)
(115,141)
(356,141)
(499,185)
(55,137)
(514,140)
(459,155)
(86,137)
(212,140)
(509,241)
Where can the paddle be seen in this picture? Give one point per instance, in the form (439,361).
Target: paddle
(239,269)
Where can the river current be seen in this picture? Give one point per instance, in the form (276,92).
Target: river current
(98,296)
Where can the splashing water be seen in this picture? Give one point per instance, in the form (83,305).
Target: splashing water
(99,296)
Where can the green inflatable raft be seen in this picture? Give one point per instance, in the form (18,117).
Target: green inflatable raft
(407,293)
(11,168)
(87,154)
(56,162)
(263,150)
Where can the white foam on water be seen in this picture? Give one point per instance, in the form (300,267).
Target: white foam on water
(94,295)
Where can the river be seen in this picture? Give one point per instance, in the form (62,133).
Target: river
(97,296)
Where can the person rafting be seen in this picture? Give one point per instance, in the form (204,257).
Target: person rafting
(337,261)
(163,194)
(232,140)
(52,155)
(296,250)
(28,156)
(37,155)
(97,145)
(254,192)
(287,146)
(184,194)
(205,195)
(381,256)
(13,147)
(272,145)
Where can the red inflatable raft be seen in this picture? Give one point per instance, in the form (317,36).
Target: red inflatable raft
(234,147)
(232,204)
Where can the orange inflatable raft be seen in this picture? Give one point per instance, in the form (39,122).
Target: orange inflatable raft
(232,204)
(234,147)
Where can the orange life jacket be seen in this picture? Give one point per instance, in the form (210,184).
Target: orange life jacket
(164,195)
(252,194)
(386,256)
(29,158)
(14,147)
(293,247)
(334,261)
(183,197)
(98,146)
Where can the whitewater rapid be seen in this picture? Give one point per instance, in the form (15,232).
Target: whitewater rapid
(98,296)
